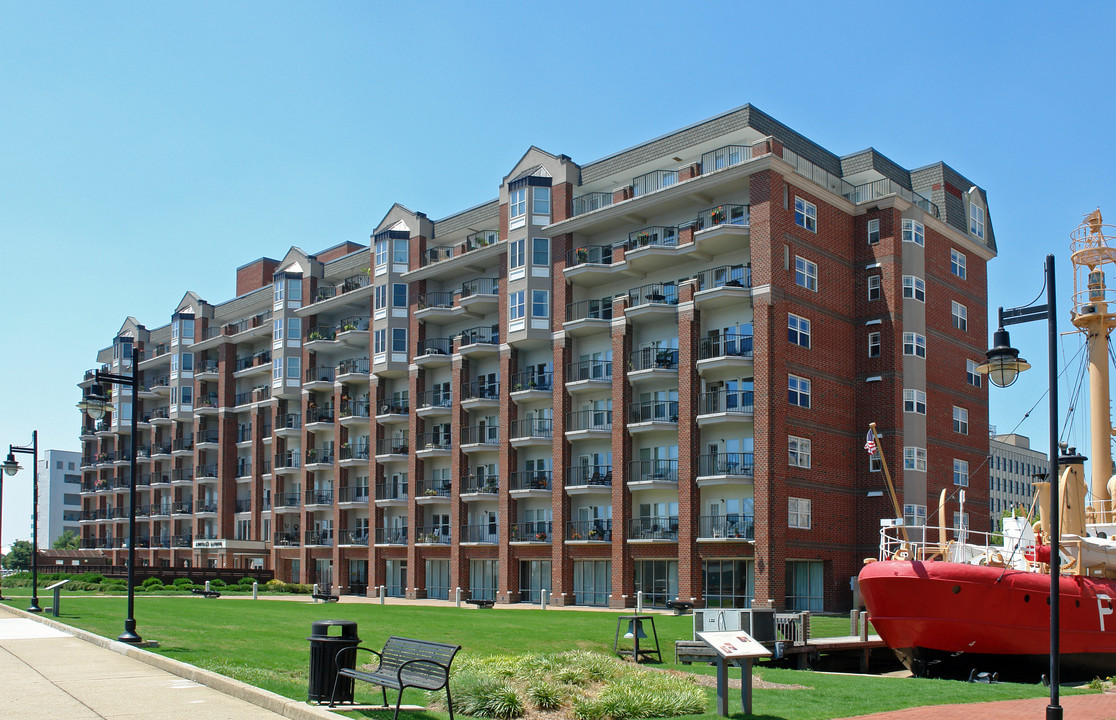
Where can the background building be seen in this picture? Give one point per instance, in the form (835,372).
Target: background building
(1012,466)
(652,372)
(60,495)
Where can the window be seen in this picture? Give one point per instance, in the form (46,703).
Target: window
(379,300)
(379,341)
(960,420)
(541,201)
(540,303)
(294,289)
(914,288)
(398,295)
(957,264)
(961,472)
(517,203)
(805,214)
(873,287)
(914,401)
(914,458)
(875,464)
(914,344)
(540,251)
(277,333)
(972,375)
(799,451)
(798,513)
(294,328)
(873,231)
(187,395)
(399,340)
(515,305)
(277,368)
(873,344)
(381,252)
(913,231)
(278,285)
(805,273)
(798,391)
(976,220)
(187,362)
(515,253)
(400,251)
(914,515)
(293,368)
(960,520)
(798,330)
(805,582)
(960,317)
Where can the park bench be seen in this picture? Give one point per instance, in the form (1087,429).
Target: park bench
(205,593)
(404,662)
(325,597)
(680,607)
(481,604)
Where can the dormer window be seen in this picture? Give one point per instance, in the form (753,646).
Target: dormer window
(976,220)
(517,207)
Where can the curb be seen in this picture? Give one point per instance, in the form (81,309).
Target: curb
(266,699)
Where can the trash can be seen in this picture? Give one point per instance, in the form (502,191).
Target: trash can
(323,654)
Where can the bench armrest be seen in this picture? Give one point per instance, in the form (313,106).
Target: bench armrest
(440,666)
(337,658)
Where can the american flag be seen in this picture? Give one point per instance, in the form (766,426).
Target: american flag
(870,443)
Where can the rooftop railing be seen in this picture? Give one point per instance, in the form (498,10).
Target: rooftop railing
(652,181)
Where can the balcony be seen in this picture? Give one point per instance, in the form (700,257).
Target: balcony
(318,538)
(589,424)
(721,406)
(289,425)
(353,331)
(437,306)
(654,362)
(589,531)
(480,437)
(391,493)
(322,337)
(204,405)
(394,411)
(531,431)
(480,394)
(430,491)
(726,527)
(432,535)
(725,468)
(433,444)
(530,483)
(582,479)
(392,449)
(653,473)
(653,528)
(244,505)
(586,317)
(654,301)
(353,495)
(255,395)
(723,286)
(319,458)
(532,532)
(885,187)
(721,229)
(591,201)
(287,463)
(436,254)
(286,539)
(653,415)
(319,416)
(433,352)
(354,412)
(206,369)
(320,378)
(209,470)
(651,248)
(182,541)
(483,534)
(206,507)
(287,501)
(588,376)
(476,486)
(391,536)
(182,507)
(724,351)
(256,363)
(480,296)
(207,438)
(532,385)
(358,537)
(589,265)
(356,455)
(434,402)
(161,416)
(480,340)
(321,497)
(182,475)
(182,445)
(243,434)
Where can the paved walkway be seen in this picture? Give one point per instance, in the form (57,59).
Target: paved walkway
(1074,707)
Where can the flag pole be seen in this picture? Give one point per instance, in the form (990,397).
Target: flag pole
(887,477)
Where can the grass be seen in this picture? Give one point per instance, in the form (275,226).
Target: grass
(264,643)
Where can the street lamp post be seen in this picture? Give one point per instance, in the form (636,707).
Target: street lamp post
(95,405)
(11,467)
(2,523)
(1002,368)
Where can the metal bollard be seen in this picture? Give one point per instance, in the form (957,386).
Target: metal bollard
(315,591)
(863,626)
(207,586)
(255,591)
(383,592)
(457,596)
(853,617)
(543,598)
(639,602)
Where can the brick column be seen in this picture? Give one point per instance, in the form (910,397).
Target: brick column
(414,472)
(508,585)
(623,570)
(561,568)
(459,467)
(226,480)
(689,444)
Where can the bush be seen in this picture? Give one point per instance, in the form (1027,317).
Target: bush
(247,581)
(218,583)
(183,582)
(152,583)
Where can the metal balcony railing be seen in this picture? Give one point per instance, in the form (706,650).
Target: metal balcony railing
(596,254)
(724,276)
(480,286)
(582,475)
(722,401)
(319,415)
(319,456)
(532,380)
(208,470)
(650,358)
(652,181)
(726,526)
(205,506)
(436,399)
(352,366)
(725,345)
(434,441)
(480,435)
(358,451)
(244,505)
(439,534)
(439,299)
(530,480)
(392,446)
(653,411)
(287,500)
(483,533)
(532,428)
(595,530)
(353,537)
(321,374)
(391,491)
(589,370)
(722,215)
(482,334)
(321,496)
(435,346)
(391,536)
(353,494)
(725,157)
(590,202)
(286,539)
(653,528)
(654,236)
(653,470)
(433,488)
(401,406)
(321,537)
(589,420)
(714,464)
(538,531)
(600,309)
(354,408)
(288,459)
(481,390)
(436,253)
(483,484)
(653,294)
(289,421)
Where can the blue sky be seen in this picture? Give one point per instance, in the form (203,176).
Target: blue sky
(147,149)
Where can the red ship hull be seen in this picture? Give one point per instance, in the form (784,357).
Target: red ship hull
(947,619)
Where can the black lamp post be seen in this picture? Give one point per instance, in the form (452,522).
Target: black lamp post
(2,521)
(11,467)
(95,405)
(1002,368)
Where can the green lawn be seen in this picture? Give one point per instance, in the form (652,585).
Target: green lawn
(264,643)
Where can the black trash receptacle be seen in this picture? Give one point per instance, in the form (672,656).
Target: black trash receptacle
(323,654)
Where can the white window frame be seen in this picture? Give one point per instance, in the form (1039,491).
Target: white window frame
(958,263)
(960,420)
(799,453)
(960,472)
(379,341)
(914,232)
(914,288)
(914,401)
(294,328)
(540,200)
(960,316)
(277,333)
(805,214)
(535,303)
(798,330)
(874,231)
(976,220)
(294,368)
(801,387)
(875,287)
(277,368)
(516,253)
(395,294)
(914,458)
(517,203)
(914,344)
(516,307)
(545,252)
(398,244)
(875,342)
(972,375)
(798,513)
(398,334)
(381,251)
(916,513)
(805,273)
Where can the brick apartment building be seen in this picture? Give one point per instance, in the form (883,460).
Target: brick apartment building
(653,372)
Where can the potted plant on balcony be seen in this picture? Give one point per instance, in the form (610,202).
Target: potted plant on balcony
(348,327)
(576,535)
(596,535)
(540,536)
(314,335)
(582,255)
(717,215)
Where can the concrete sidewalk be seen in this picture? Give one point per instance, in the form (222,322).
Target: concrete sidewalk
(1074,707)
(51,672)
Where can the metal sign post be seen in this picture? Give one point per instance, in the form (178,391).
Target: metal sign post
(740,648)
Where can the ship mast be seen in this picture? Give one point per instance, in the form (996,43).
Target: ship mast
(1094,316)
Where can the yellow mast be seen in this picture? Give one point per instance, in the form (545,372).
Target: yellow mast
(1093,317)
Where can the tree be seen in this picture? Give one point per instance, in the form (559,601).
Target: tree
(67,541)
(20,556)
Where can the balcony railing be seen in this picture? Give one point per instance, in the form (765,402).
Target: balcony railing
(354,408)
(589,420)
(653,411)
(286,539)
(435,399)
(596,254)
(653,528)
(532,427)
(355,494)
(182,507)
(596,530)
(353,537)
(653,294)
(183,475)
(290,421)
(359,451)
(532,380)
(483,533)
(354,282)
(530,480)
(590,202)
(725,157)
(480,434)
(288,460)
(322,537)
(435,346)
(322,332)
(209,470)
(653,471)
(539,531)
(392,446)
(206,366)
(391,536)
(726,526)
(724,276)
(650,358)
(599,309)
(482,390)
(652,181)
(882,188)
(437,253)
(715,464)
(725,345)
(722,215)
(396,407)
(287,500)
(244,505)
(322,496)
(319,456)
(583,475)
(481,334)
(391,491)
(182,541)
(353,323)
(352,366)
(248,361)
(480,286)
(723,401)
(184,443)
(319,415)
(205,506)
(434,441)
(439,534)
(433,488)
(321,374)
(480,239)
(243,433)
(654,236)
(589,370)
(439,299)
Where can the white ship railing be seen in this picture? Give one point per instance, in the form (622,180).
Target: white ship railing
(961,545)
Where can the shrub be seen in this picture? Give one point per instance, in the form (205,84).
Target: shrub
(153,583)
(218,583)
(546,696)
(247,581)
(183,582)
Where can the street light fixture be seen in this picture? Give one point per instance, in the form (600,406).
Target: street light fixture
(11,467)
(1002,369)
(95,405)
